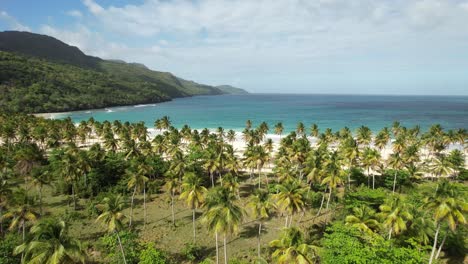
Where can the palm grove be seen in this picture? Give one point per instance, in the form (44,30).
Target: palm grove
(89,193)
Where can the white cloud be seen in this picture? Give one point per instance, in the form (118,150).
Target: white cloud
(12,22)
(75,13)
(215,40)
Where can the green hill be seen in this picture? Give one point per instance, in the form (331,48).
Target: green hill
(231,89)
(39,73)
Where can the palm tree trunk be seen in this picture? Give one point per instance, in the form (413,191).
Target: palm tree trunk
(172,208)
(217,248)
(394,182)
(368,178)
(259,232)
(1,219)
(259,178)
(290,220)
(194,229)
(24,235)
(286,223)
(212,179)
(373,181)
(321,203)
(40,199)
(435,243)
(74,198)
(225,251)
(121,247)
(390,233)
(329,197)
(131,206)
(144,206)
(441,245)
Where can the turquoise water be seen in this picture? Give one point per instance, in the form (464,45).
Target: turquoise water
(333,111)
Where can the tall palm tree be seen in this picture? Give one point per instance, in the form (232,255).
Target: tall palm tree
(363,136)
(441,166)
(261,205)
(194,194)
(396,162)
(112,216)
(23,211)
(448,205)
(279,129)
(137,183)
(314,130)
(370,160)
(395,215)
(41,178)
(172,186)
(223,215)
(300,128)
(291,248)
(50,243)
(290,199)
(334,174)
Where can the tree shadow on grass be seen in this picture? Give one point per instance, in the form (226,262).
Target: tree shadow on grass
(250,231)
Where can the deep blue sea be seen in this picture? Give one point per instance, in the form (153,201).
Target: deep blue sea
(328,111)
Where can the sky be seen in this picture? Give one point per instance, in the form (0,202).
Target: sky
(273,46)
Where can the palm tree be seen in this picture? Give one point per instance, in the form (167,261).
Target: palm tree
(395,215)
(261,205)
(363,135)
(50,243)
(349,149)
(172,186)
(441,166)
(396,162)
(363,218)
(24,211)
(291,248)
(41,178)
(334,174)
(248,124)
(290,199)
(448,205)
(279,129)
(112,217)
(5,195)
(300,128)
(194,194)
(223,215)
(314,130)
(370,160)
(165,122)
(137,182)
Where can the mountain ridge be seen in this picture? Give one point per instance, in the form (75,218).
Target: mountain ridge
(29,59)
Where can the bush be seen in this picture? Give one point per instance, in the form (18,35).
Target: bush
(151,255)
(345,244)
(365,196)
(192,252)
(129,243)
(7,245)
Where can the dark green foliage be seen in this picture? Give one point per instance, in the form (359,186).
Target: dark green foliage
(151,255)
(129,242)
(345,244)
(7,245)
(365,196)
(42,74)
(403,179)
(192,252)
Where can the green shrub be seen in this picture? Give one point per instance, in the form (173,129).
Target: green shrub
(151,255)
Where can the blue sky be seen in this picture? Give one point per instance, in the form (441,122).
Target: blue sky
(295,46)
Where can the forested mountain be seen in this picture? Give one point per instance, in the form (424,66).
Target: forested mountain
(231,89)
(39,73)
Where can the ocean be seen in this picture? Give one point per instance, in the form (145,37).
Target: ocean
(327,111)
